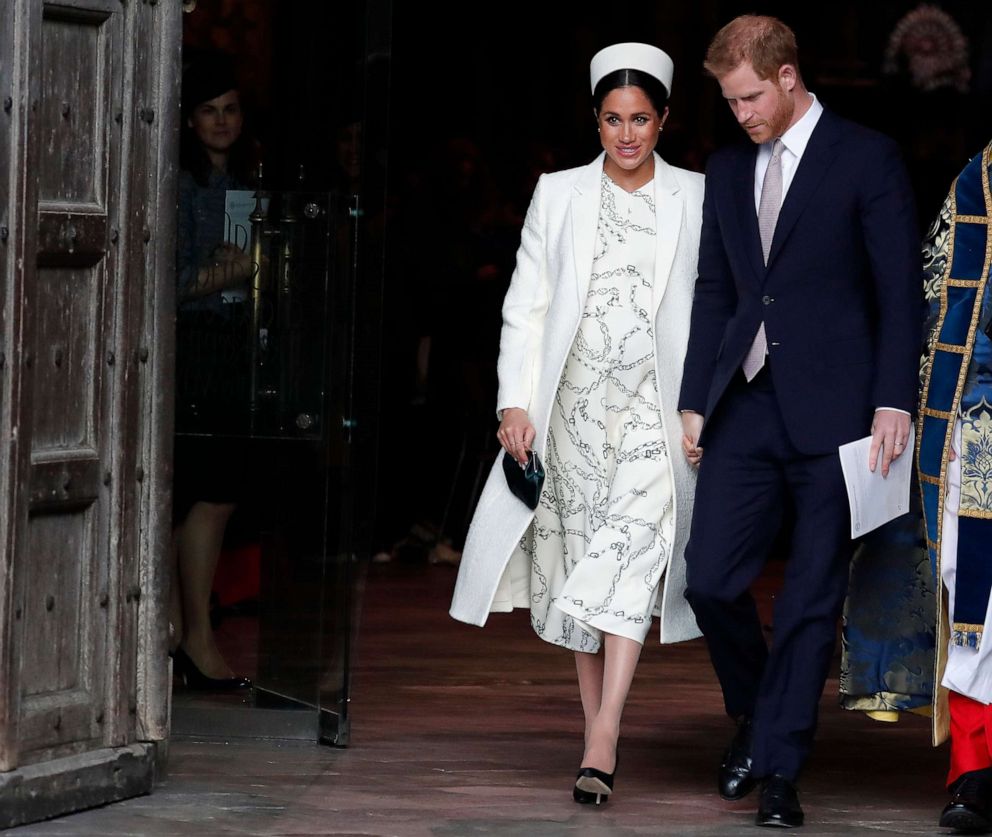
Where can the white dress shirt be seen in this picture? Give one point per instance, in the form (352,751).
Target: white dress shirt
(968,671)
(795,141)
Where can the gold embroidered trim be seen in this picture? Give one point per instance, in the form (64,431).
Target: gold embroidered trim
(971,219)
(964,283)
(947,347)
(929,479)
(980,514)
(941,414)
(967,627)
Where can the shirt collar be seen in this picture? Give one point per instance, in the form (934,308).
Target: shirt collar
(797,137)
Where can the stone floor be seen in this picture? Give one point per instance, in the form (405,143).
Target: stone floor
(460,731)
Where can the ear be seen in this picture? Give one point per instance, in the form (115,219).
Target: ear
(787,77)
(664,118)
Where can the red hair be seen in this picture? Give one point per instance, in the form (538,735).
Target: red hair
(763,42)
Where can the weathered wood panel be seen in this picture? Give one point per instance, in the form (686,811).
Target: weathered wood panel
(88,155)
(77,50)
(126,264)
(159,54)
(62,688)
(22,19)
(67,365)
(10,189)
(57,787)
(68,563)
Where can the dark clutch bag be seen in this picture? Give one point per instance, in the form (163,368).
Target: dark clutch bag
(525,483)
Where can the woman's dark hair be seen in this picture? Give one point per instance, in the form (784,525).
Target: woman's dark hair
(653,89)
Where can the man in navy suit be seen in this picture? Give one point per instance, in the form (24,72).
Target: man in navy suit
(805,330)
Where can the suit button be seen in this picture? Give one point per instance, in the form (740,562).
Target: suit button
(767,300)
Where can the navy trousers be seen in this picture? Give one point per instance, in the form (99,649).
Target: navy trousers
(748,472)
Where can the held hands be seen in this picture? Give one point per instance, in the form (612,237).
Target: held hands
(692,426)
(889,432)
(516,433)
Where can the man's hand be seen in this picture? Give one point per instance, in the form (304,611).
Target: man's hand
(692,426)
(889,433)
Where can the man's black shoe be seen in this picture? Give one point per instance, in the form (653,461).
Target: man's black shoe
(779,804)
(734,779)
(969,810)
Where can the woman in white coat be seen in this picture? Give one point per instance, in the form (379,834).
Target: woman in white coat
(595,326)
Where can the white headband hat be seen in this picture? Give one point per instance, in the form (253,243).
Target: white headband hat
(642,57)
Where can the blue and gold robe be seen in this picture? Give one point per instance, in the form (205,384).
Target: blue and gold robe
(957,387)
(891,612)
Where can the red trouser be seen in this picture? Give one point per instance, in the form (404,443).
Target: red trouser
(971,736)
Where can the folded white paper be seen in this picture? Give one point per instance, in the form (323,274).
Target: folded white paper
(875,499)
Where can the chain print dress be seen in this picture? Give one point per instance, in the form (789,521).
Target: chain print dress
(602,533)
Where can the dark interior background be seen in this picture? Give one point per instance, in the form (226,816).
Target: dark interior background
(483,98)
(519,80)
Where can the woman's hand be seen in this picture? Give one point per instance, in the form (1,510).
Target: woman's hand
(235,265)
(516,433)
(692,425)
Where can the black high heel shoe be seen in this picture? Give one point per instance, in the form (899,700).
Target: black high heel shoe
(592,786)
(193,678)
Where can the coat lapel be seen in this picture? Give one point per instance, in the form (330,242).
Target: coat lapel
(585,218)
(668,226)
(743,187)
(817,158)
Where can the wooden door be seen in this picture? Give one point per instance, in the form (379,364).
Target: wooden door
(87,172)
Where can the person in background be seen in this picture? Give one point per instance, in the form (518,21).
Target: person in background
(955,470)
(212,276)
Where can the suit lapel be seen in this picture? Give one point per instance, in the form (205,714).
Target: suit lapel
(817,159)
(743,187)
(668,226)
(585,218)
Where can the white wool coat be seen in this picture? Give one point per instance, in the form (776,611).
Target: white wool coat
(541,315)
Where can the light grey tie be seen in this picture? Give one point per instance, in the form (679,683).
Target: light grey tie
(768,209)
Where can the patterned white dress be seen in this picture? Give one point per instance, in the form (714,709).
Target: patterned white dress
(602,533)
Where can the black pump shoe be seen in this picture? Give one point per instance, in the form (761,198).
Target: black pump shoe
(586,798)
(195,679)
(592,786)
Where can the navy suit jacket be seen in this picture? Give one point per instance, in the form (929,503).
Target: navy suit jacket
(841,296)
